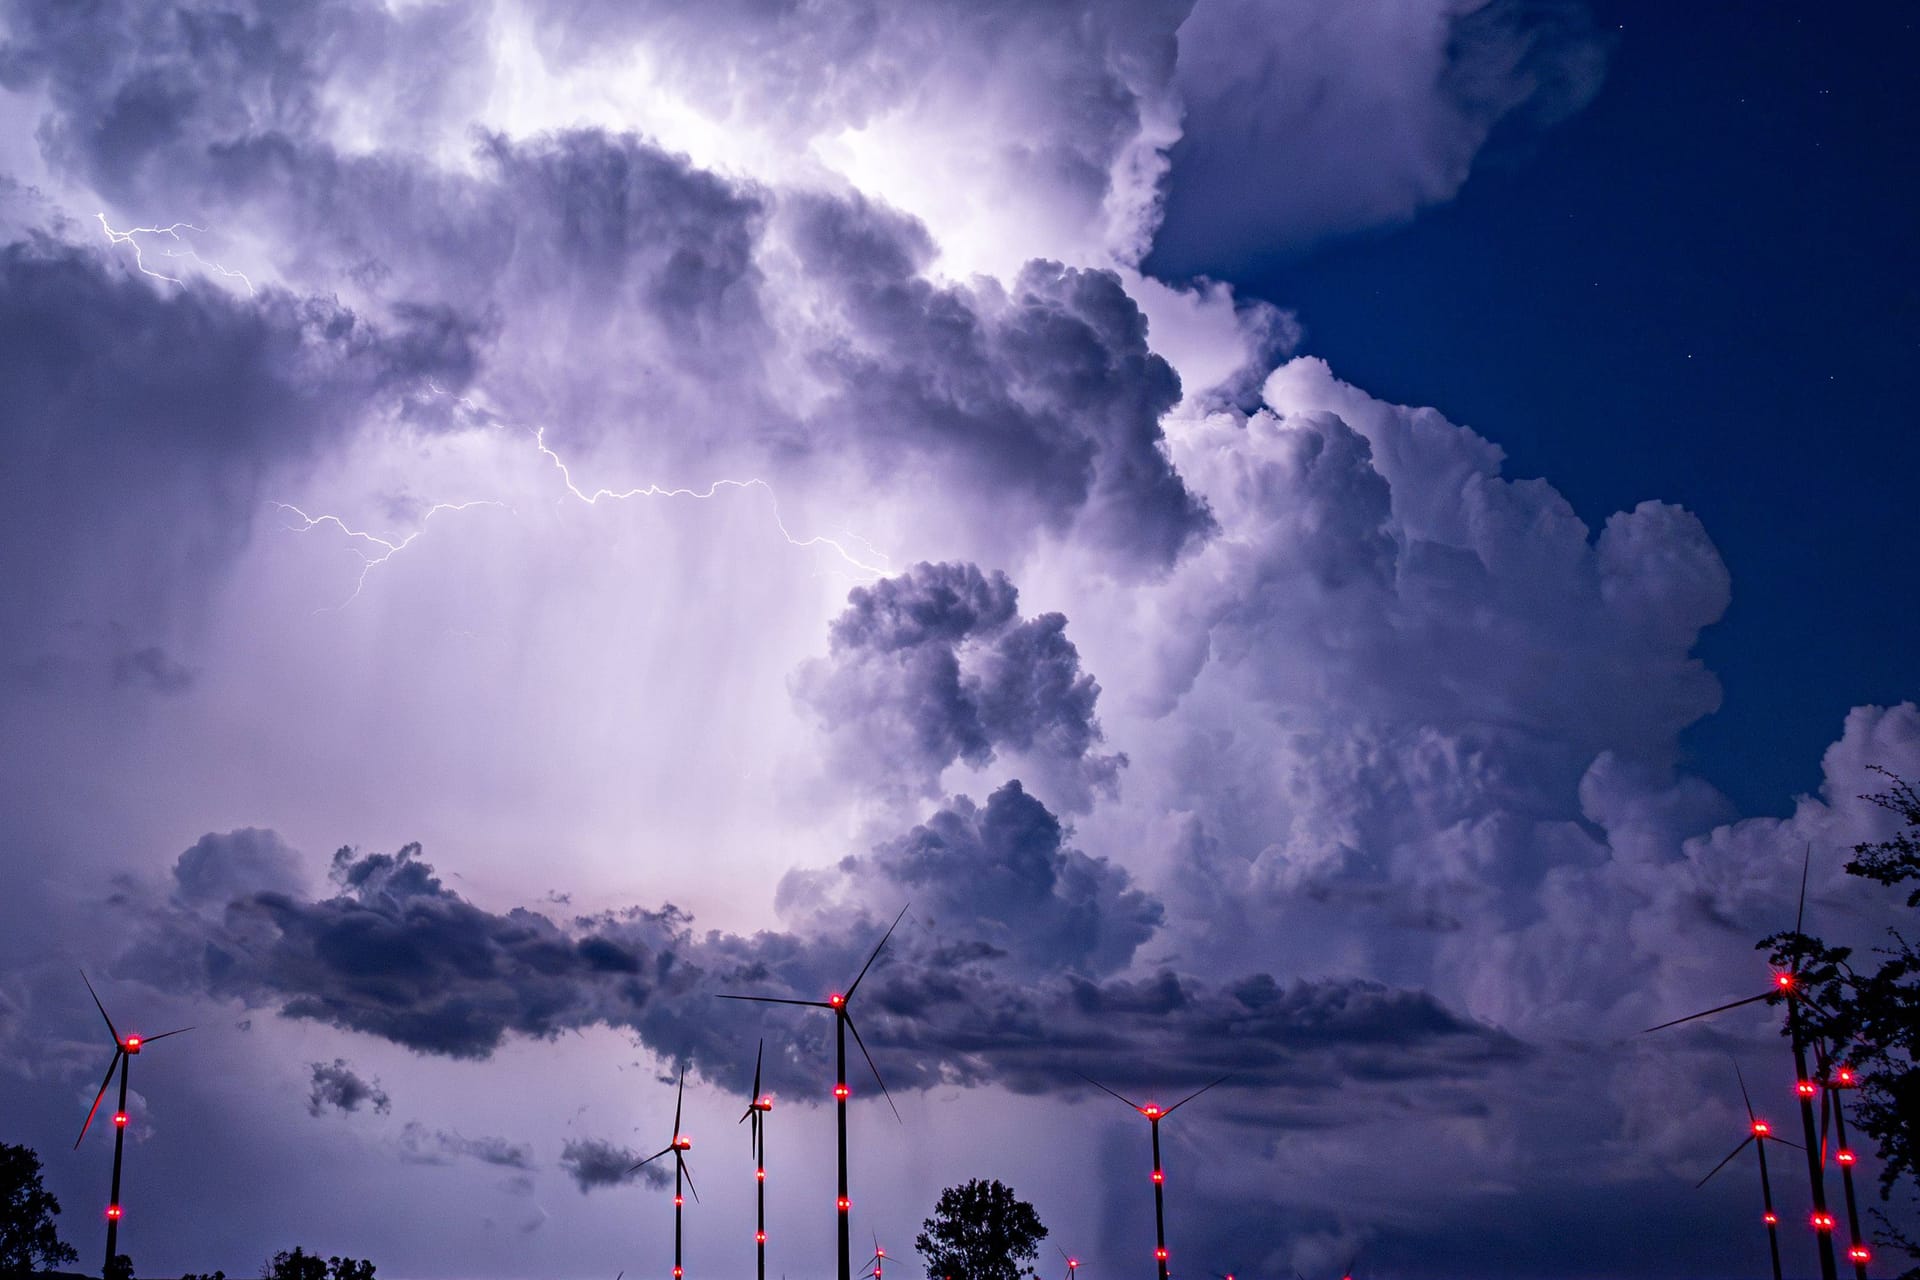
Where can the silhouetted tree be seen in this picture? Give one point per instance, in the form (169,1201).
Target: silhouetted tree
(301,1265)
(28,1239)
(980,1231)
(1871,1015)
(121,1268)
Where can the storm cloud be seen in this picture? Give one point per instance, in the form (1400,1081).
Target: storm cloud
(936,667)
(337,1086)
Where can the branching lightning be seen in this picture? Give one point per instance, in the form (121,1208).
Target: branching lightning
(180,249)
(360,538)
(375,550)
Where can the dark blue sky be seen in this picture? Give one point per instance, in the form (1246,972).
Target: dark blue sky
(1701,289)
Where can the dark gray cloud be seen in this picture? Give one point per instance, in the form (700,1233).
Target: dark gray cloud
(595,1162)
(220,866)
(1004,875)
(397,955)
(337,1085)
(1044,394)
(143,425)
(421,1145)
(935,667)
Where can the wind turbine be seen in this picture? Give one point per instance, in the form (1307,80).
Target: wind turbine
(1073,1264)
(1786,987)
(1759,1133)
(879,1257)
(843,1022)
(124,1048)
(758,1105)
(1155,1114)
(680,1145)
(1833,1079)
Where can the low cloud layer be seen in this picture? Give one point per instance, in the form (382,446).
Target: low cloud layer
(337,1087)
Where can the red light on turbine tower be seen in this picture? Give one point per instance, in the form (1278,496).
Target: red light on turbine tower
(120,1119)
(1761,1129)
(1844,1077)
(1784,981)
(1161,1254)
(1844,1156)
(113,1212)
(682,1144)
(760,1175)
(677,1273)
(837,1000)
(759,1237)
(841,1091)
(1806,1088)
(1159,1176)
(1860,1253)
(764,1102)
(1822,1222)
(133,1044)
(1150,1111)
(678,1201)
(1771,1218)
(844,1204)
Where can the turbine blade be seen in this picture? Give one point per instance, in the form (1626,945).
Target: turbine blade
(1744,1097)
(164,1034)
(1708,1013)
(102,1008)
(1723,1164)
(689,1176)
(876,952)
(104,1082)
(811,1004)
(869,1057)
(1806,865)
(1826,1105)
(650,1159)
(1196,1093)
(744,1115)
(1773,1137)
(678,1098)
(1096,1084)
(757,1054)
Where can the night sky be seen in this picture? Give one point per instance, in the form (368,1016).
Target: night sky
(1353,545)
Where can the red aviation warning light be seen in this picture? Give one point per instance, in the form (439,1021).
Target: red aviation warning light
(113,1212)
(1860,1254)
(1761,1129)
(1806,1088)
(759,1237)
(1159,1176)
(677,1273)
(1150,1111)
(683,1144)
(1783,981)
(120,1119)
(1844,1156)
(1822,1222)
(841,1091)
(678,1201)
(1161,1254)
(837,1000)
(759,1175)
(133,1044)
(1844,1077)
(1771,1218)
(844,1203)
(763,1103)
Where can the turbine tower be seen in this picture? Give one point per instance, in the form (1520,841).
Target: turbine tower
(1834,1078)
(1073,1264)
(1759,1133)
(843,1022)
(1786,988)
(1155,1114)
(680,1145)
(124,1047)
(758,1105)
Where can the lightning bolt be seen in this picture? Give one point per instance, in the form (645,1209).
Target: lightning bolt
(181,250)
(388,549)
(854,551)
